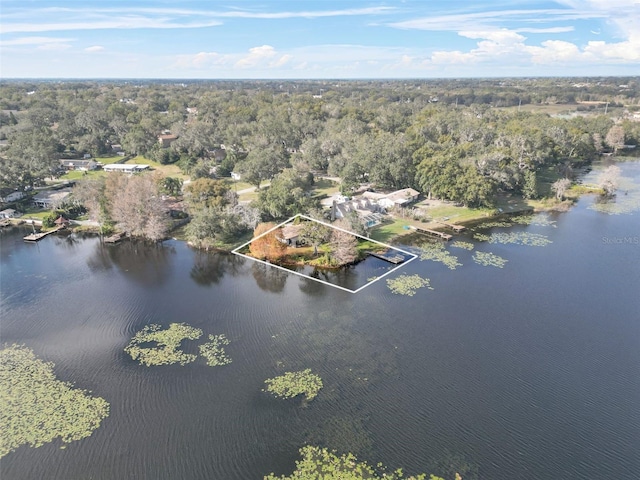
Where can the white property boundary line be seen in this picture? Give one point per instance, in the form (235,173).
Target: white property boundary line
(235,251)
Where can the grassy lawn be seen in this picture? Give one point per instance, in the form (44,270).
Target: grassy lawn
(108,160)
(166,170)
(388,230)
(79,175)
(326,187)
(248,197)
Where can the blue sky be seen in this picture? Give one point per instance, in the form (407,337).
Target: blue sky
(318,39)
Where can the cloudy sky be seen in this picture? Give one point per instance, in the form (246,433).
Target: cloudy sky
(318,38)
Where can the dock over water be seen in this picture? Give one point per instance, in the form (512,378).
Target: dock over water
(455,228)
(35,237)
(394,258)
(432,233)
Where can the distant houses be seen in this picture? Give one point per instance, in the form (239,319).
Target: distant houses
(9,196)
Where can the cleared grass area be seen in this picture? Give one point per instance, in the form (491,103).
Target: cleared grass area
(325,186)
(388,230)
(166,170)
(79,175)
(108,160)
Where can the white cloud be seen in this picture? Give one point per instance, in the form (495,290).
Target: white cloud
(34,41)
(131,22)
(546,30)
(95,48)
(256,55)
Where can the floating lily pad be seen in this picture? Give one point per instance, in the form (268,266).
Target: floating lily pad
(408,284)
(488,259)
(167,342)
(462,244)
(292,384)
(36,408)
(437,253)
(214,352)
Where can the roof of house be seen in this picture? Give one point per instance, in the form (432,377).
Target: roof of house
(75,162)
(8,211)
(291,231)
(167,136)
(51,196)
(402,196)
(61,220)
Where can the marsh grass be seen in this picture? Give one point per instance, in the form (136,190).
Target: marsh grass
(36,408)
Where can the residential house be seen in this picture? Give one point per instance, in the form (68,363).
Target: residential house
(400,198)
(291,235)
(166,139)
(9,213)
(125,167)
(8,196)
(74,164)
(51,198)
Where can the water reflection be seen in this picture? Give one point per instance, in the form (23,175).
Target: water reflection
(269,279)
(148,265)
(209,268)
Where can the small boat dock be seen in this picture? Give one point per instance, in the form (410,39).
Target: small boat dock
(455,228)
(36,237)
(390,257)
(433,233)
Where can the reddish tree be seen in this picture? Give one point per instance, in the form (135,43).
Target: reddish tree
(267,246)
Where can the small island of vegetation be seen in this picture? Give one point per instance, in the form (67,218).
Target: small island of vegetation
(292,384)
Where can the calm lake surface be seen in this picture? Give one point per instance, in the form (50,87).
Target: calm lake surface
(528,372)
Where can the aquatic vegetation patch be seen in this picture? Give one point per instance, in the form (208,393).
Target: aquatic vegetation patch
(292,384)
(481,237)
(322,463)
(437,253)
(540,220)
(166,351)
(36,408)
(520,238)
(408,284)
(462,244)
(494,224)
(214,352)
(489,259)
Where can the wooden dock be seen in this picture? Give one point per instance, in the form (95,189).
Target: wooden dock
(432,233)
(455,228)
(36,237)
(395,259)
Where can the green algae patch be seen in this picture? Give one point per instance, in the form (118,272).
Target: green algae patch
(487,259)
(437,253)
(408,284)
(520,238)
(539,220)
(213,351)
(36,408)
(481,237)
(321,463)
(462,244)
(292,384)
(166,344)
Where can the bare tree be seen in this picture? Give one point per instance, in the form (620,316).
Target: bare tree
(137,207)
(609,180)
(560,187)
(615,137)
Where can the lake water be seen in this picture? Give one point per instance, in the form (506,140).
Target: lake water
(529,372)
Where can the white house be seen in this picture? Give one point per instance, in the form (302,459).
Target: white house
(399,197)
(12,197)
(125,167)
(51,199)
(9,213)
(82,165)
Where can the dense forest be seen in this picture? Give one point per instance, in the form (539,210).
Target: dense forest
(460,140)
